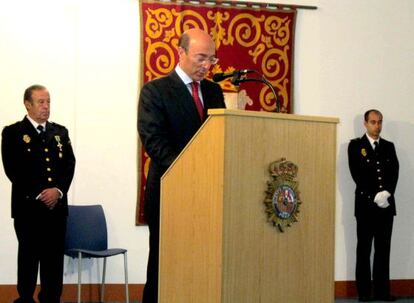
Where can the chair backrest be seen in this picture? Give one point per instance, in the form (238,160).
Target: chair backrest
(86,229)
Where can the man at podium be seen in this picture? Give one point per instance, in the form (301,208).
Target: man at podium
(171,110)
(374,167)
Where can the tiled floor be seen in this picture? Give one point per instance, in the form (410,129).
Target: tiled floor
(399,300)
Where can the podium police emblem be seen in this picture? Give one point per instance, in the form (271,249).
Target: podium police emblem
(282,196)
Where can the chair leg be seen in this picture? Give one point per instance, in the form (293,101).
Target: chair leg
(103,281)
(126,278)
(79,276)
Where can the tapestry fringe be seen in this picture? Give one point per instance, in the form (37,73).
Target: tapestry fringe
(274,6)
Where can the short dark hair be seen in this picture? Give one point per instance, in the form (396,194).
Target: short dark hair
(366,115)
(28,92)
(184,42)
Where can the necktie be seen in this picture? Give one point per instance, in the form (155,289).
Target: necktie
(197,100)
(375,145)
(41,130)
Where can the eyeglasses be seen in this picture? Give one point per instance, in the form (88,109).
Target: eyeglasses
(201,59)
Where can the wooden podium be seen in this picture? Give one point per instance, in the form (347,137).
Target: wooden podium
(216,243)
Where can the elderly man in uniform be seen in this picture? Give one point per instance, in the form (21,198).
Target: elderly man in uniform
(374,167)
(39,161)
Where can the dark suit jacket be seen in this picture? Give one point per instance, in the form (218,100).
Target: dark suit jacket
(167,120)
(33,166)
(372,172)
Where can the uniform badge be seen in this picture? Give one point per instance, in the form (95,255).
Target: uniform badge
(364,152)
(26,138)
(282,196)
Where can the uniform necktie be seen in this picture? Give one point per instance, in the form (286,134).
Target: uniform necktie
(41,130)
(375,145)
(197,100)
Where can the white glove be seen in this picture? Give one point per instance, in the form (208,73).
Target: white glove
(381,198)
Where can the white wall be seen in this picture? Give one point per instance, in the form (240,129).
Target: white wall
(350,55)
(86,53)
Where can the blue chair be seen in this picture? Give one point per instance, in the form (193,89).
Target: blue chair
(86,237)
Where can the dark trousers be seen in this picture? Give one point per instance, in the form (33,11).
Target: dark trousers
(41,243)
(377,228)
(150,294)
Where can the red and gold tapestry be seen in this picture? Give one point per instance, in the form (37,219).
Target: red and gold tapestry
(247,36)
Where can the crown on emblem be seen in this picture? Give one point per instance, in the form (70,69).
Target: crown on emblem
(283,167)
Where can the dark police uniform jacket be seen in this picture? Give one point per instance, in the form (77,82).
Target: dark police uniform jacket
(33,165)
(373,171)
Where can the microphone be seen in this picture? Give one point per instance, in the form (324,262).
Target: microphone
(221,76)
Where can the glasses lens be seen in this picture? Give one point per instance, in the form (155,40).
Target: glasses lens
(213,60)
(200,59)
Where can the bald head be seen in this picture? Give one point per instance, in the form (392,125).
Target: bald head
(193,35)
(196,53)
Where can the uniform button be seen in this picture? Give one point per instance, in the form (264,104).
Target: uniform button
(46,150)
(47,160)
(379,178)
(378,170)
(49,179)
(48,169)
(378,162)
(380,186)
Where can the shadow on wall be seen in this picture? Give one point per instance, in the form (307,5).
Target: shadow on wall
(402,261)
(70,274)
(346,187)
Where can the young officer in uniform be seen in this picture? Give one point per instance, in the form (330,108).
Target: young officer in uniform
(374,167)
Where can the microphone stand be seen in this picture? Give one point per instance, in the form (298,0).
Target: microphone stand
(237,79)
